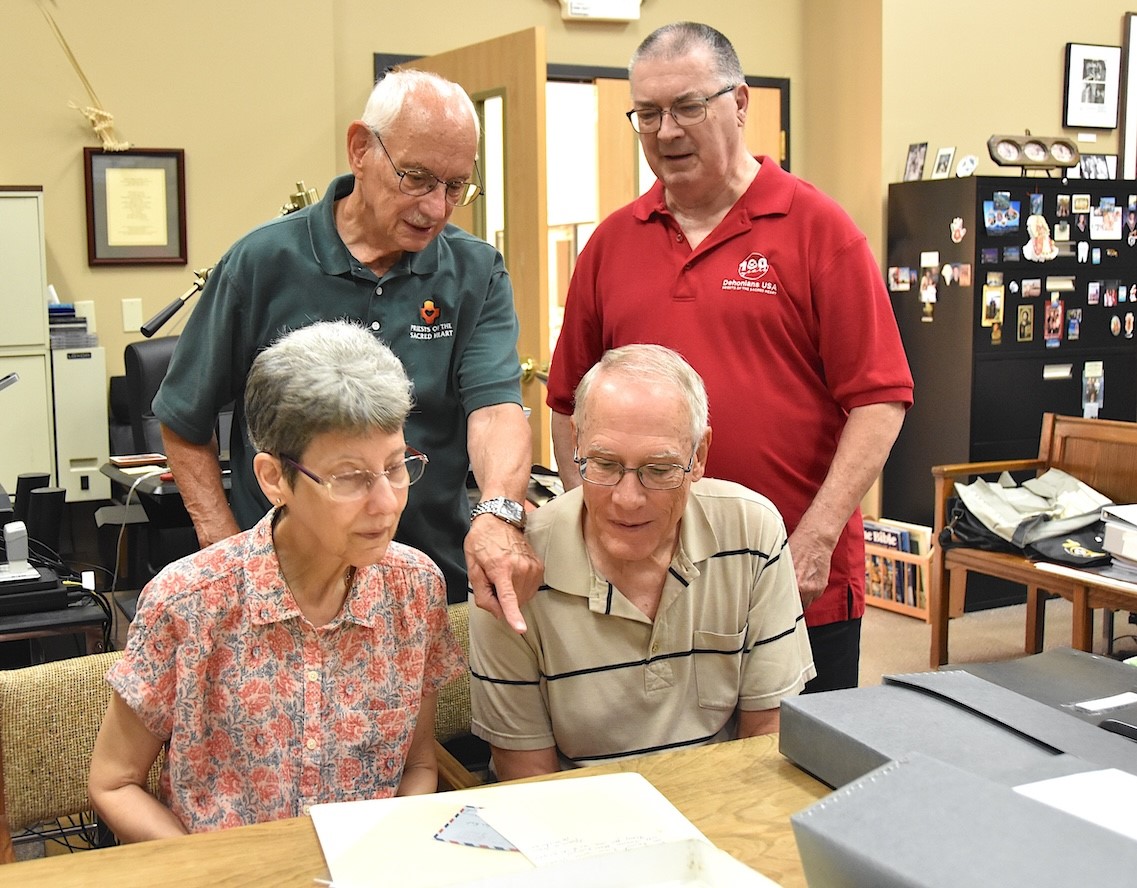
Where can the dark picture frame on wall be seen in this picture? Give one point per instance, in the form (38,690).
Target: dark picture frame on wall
(1129,97)
(136,206)
(1093,78)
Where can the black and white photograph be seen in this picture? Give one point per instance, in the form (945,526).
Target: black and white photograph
(914,167)
(1095,166)
(1093,76)
(941,169)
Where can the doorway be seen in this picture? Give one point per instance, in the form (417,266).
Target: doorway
(510,83)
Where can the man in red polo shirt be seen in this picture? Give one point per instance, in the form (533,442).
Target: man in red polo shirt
(771,292)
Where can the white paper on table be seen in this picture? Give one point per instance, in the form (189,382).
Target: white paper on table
(1104,797)
(587,819)
(391,841)
(1103,703)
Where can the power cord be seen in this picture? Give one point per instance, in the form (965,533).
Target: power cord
(130,494)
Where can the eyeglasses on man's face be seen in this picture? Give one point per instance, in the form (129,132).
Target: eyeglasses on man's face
(418,183)
(686,112)
(653,476)
(352,486)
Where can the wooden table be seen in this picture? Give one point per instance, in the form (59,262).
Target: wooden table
(1090,591)
(739,794)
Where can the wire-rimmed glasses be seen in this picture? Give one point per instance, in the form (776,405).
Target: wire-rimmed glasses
(459,193)
(352,486)
(653,476)
(685,112)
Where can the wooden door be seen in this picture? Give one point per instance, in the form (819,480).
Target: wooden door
(513,68)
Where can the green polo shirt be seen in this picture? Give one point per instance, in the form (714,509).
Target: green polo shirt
(447,312)
(600,681)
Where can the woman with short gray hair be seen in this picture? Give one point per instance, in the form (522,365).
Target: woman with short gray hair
(298,662)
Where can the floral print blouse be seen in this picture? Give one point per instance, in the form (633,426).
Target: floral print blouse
(264,714)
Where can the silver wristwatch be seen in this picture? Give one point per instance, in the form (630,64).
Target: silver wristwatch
(509,511)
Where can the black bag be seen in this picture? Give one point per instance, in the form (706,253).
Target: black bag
(964,529)
(1082,548)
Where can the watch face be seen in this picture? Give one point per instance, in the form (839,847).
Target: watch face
(1062,152)
(1007,150)
(966,165)
(1035,151)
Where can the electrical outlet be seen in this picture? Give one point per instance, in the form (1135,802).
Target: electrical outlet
(131,315)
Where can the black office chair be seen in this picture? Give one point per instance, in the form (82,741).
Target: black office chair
(146,364)
(171,534)
(119,428)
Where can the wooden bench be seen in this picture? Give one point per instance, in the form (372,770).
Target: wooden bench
(1100,452)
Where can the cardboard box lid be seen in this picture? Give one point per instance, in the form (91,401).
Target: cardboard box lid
(1061,677)
(921,822)
(953,716)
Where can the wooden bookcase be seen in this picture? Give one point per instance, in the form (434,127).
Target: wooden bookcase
(890,557)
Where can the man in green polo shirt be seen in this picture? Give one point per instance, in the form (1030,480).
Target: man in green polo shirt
(669,615)
(378,249)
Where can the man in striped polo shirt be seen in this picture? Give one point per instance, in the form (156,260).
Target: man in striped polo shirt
(669,615)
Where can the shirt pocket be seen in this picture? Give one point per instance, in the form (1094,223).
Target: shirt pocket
(718,668)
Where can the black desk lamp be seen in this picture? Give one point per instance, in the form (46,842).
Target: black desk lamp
(301,198)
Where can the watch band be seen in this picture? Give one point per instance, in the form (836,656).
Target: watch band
(507,510)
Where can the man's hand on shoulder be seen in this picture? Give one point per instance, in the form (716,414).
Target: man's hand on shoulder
(503,568)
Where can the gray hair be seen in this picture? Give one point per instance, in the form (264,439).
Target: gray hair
(333,376)
(653,363)
(680,38)
(399,87)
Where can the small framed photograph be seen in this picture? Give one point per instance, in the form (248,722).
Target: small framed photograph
(1026,323)
(941,169)
(1073,323)
(1093,77)
(136,206)
(914,167)
(1096,166)
(992,305)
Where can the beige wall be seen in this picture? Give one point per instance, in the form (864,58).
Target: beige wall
(218,83)
(260,93)
(956,73)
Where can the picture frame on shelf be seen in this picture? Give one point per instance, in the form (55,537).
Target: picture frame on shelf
(914,166)
(941,169)
(1097,166)
(1092,83)
(136,206)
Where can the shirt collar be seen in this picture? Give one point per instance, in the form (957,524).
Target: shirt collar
(266,594)
(567,566)
(770,194)
(330,251)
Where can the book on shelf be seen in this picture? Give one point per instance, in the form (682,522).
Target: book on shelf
(907,579)
(885,576)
